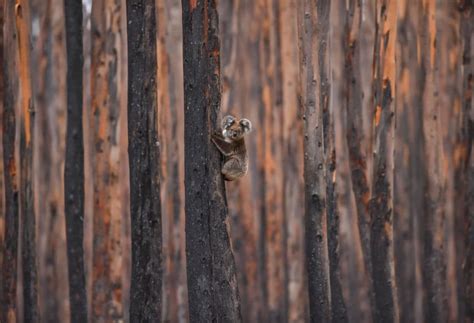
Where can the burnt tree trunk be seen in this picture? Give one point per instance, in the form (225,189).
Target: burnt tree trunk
(211,271)
(381,203)
(314,20)
(10,251)
(74,164)
(28,221)
(106,66)
(144,159)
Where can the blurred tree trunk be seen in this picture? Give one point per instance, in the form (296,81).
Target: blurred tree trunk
(27,210)
(434,267)
(381,203)
(144,159)
(409,171)
(292,163)
(314,69)
(240,97)
(212,282)
(105,115)
(171,131)
(273,218)
(2,187)
(50,102)
(74,165)
(10,251)
(464,169)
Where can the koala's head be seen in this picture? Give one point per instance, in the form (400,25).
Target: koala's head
(234,130)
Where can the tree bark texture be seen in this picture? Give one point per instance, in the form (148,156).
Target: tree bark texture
(106,59)
(381,202)
(212,282)
(74,163)
(144,159)
(10,86)
(27,211)
(314,69)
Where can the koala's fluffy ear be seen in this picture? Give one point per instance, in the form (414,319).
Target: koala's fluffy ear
(246,125)
(227,121)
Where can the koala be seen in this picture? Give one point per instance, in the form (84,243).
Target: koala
(230,142)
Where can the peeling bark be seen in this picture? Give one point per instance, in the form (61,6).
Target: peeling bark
(27,211)
(106,58)
(381,202)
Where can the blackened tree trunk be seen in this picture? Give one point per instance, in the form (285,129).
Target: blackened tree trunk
(74,165)
(314,19)
(105,117)
(144,158)
(9,272)
(212,282)
(30,283)
(381,203)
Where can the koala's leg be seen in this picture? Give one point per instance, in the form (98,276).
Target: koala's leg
(232,169)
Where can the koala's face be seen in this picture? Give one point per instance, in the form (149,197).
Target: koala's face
(234,130)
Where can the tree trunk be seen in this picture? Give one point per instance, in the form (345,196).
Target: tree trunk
(409,170)
(381,203)
(74,165)
(144,159)
(27,211)
(212,281)
(106,68)
(10,251)
(171,131)
(314,69)
(465,169)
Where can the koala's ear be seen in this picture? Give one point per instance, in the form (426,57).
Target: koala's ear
(246,125)
(227,121)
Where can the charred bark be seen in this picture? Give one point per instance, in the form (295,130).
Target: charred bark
(212,281)
(74,164)
(144,159)
(27,211)
(381,203)
(314,18)
(10,251)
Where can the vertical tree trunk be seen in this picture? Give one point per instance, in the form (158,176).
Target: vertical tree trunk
(9,273)
(212,281)
(434,267)
(74,166)
(409,169)
(355,134)
(144,159)
(171,131)
(292,164)
(274,220)
(30,283)
(106,68)
(315,99)
(2,170)
(241,95)
(465,168)
(381,204)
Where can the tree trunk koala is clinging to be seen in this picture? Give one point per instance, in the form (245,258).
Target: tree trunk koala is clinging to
(230,142)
